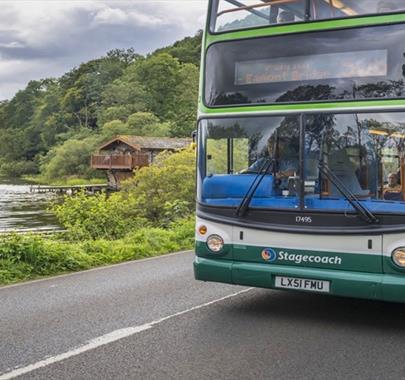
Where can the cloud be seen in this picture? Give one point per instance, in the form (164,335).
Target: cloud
(111,16)
(116,16)
(40,38)
(11,45)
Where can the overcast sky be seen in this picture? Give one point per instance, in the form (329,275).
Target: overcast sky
(40,39)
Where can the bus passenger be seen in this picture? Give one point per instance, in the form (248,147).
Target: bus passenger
(392,190)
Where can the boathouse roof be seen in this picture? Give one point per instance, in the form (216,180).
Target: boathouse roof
(148,143)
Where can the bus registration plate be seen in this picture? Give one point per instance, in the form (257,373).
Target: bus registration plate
(302,284)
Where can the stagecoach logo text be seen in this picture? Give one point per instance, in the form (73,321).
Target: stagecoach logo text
(270,255)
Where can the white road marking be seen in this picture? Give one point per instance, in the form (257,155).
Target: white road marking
(108,338)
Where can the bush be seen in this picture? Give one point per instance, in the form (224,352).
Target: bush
(18,168)
(156,196)
(70,158)
(166,186)
(25,257)
(42,256)
(95,217)
(152,216)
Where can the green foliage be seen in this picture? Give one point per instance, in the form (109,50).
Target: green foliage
(147,124)
(66,181)
(113,128)
(187,50)
(17,168)
(152,216)
(138,124)
(70,158)
(174,210)
(57,124)
(157,189)
(96,217)
(152,96)
(119,112)
(184,113)
(157,196)
(159,74)
(24,257)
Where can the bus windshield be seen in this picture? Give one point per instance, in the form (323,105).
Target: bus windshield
(240,14)
(366,152)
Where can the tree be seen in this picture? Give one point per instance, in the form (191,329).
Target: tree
(187,50)
(119,93)
(121,98)
(114,128)
(83,87)
(72,158)
(147,124)
(184,114)
(159,75)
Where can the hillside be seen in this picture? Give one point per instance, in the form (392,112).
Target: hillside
(52,126)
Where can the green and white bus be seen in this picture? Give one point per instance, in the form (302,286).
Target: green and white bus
(301,147)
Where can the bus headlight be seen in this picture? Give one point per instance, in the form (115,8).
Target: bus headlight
(215,243)
(398,256)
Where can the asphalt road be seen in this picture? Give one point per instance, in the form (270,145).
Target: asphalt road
(151,320)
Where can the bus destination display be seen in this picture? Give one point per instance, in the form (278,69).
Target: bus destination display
(357,64)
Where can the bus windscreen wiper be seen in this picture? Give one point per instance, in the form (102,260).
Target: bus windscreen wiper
(244,204)
(362,210)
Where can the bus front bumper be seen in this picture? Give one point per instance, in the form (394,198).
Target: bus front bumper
(377,286)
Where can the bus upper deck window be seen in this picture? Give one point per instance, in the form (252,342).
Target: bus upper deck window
(329,9)
(228,15)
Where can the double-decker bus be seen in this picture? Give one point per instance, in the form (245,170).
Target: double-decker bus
(301,147)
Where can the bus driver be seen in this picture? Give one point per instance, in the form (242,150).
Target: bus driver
(284,165)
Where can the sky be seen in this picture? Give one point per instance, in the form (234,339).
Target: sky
(46,38)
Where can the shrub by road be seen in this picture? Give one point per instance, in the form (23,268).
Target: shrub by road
(153,215)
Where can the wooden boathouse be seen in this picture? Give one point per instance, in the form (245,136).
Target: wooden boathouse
(122,155)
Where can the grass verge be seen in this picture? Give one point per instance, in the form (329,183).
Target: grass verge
(71,181)
(26,257)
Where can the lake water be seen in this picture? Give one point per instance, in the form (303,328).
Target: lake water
(22,210)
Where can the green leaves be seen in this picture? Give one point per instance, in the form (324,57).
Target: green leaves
(96,217)
(157,196)
(53,121)
(167,185)
(24,257)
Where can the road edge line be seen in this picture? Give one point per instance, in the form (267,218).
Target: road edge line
(29,282)
(108,338)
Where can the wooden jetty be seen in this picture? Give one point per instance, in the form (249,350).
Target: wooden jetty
(90,189)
